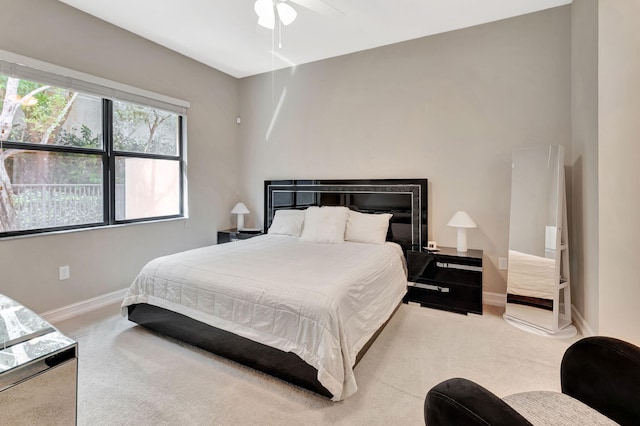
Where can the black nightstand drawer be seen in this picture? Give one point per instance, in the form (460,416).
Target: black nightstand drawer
(446,279)
(452,297)
(452,275)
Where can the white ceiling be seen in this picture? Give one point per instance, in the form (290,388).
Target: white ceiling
(224,34)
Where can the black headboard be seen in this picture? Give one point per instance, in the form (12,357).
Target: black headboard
(406,199)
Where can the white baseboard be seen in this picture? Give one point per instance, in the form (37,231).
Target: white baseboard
(494,299)
(580,323)
(79,308)
(83,307)
(500,300)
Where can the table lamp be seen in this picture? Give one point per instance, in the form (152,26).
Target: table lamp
(240,209)
(462,221)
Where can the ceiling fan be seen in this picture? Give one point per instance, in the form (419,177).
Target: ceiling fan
(271,11)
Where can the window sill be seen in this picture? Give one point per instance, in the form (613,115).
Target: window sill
(92,228)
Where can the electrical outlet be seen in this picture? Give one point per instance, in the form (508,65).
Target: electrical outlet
(502,263)
(64,273)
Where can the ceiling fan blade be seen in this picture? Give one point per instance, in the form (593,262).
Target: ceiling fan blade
(322,7)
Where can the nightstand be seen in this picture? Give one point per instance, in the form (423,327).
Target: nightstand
(446,279)
(229,235)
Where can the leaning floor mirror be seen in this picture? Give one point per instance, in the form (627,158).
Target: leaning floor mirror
(538,291)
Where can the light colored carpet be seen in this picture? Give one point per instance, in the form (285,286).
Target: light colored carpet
(129,375)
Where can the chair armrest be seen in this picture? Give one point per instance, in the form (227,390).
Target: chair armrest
(462,402)
(604,373)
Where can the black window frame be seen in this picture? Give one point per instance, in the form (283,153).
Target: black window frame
(108,155)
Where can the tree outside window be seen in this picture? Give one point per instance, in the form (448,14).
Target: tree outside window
(53,159)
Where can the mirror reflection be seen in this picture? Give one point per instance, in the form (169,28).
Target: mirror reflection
(536,222)
(534,201)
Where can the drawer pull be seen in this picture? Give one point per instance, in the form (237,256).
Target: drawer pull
(433,287)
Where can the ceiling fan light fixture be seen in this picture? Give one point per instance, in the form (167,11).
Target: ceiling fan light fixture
(267,21)
(266,13)
(286,13)
(263,7)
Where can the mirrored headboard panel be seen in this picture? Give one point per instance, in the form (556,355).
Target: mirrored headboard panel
(406,199)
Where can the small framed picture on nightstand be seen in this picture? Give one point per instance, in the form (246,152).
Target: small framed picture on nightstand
(230,235)
(251,230)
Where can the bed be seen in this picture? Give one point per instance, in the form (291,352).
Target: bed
(298,309)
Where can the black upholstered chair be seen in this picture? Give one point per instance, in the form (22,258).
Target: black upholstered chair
(600,380)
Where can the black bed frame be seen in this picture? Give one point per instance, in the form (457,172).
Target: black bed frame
(407,200)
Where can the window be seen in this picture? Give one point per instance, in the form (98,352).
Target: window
(70,159)
(147,162)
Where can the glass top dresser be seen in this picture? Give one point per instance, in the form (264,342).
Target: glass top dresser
(38,369)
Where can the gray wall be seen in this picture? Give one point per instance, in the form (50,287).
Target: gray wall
(448,107)
(583,210)
(107,260)
(619,174)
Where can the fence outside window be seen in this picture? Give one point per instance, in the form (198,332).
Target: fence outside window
(49,205)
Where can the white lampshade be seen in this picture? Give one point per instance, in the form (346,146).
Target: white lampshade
(266,11)
(462,221)
(240,209)
(286,13)
(263,7)
(268,21)
(266,14)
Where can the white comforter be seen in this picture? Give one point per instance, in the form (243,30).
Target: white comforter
(531,275)
(322,302)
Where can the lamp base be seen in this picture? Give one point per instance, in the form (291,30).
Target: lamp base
(462,240)
(240,222)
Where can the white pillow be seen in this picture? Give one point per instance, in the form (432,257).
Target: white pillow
(287,222)
(325,224)
(367,228)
